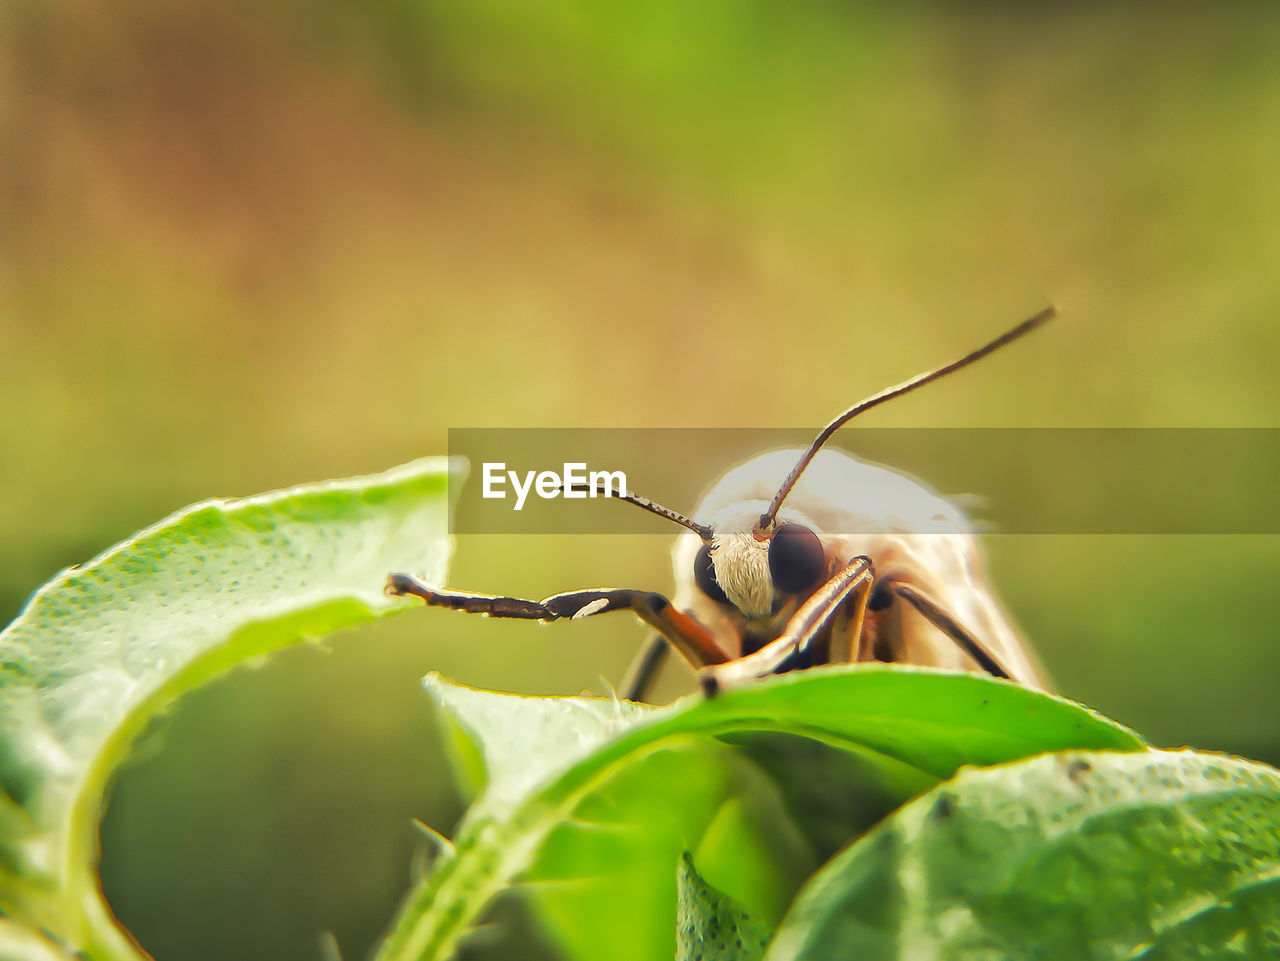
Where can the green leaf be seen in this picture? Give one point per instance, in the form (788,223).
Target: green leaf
(598,799)
(711,925)
(18,943)
(511,744)
(1158,855)
(522,738)
(100,649)
(608,866)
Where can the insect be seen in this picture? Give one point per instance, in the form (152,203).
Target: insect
(805,558)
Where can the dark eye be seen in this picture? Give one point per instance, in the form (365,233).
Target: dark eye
(704,575)
(797,561)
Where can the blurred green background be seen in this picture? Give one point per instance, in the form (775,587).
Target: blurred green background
(248,245)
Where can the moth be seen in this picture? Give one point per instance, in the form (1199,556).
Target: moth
(802,558)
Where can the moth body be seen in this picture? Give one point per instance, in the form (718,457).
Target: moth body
(856,508)
(803,557)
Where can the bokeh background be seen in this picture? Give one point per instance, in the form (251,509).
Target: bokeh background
(248,245)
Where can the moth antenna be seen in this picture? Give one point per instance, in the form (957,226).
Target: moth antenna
(1028,325)
(653,507)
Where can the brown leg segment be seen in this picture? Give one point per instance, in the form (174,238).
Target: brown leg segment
(644,669)
(938,616)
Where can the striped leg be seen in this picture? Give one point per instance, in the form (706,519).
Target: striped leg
(685,634)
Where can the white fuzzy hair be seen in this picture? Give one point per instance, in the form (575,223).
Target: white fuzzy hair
(742,571)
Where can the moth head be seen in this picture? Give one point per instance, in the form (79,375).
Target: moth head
(737,566)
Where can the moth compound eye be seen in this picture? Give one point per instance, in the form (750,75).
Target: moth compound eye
(704,575)
(797,561)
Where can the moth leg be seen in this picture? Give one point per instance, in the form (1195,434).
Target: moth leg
(685,634)
(644,669)
(940,618)
(844,596)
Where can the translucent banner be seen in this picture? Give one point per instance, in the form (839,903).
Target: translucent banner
(1006,480)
